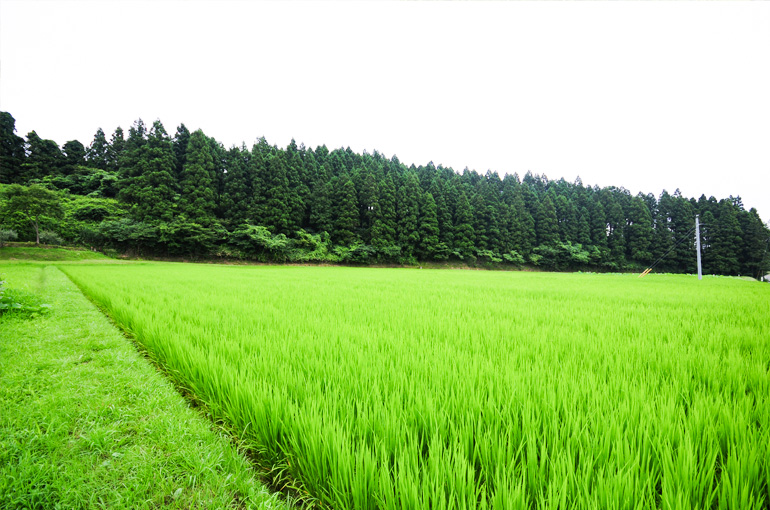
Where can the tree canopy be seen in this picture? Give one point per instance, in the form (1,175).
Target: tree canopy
(188,195)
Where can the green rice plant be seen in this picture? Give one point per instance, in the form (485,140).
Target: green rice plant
(372,388)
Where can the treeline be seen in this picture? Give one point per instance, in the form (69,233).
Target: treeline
(187,195)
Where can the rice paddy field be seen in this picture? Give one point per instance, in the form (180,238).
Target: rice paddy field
(369,388)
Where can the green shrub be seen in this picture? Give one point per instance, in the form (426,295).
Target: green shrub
(18,302)
(7,235)
(52,238)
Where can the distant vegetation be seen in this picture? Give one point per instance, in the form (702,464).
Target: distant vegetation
(150,193)
(400,388)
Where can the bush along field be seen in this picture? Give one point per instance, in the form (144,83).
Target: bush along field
(404,388)
(87,422)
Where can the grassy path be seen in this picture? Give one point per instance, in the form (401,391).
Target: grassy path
(87,422)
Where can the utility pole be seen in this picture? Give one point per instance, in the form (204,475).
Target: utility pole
(697,245)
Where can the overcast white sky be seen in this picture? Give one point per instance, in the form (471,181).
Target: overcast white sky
(648,96)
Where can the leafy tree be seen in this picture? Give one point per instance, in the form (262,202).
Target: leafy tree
(258,242)
(130,236)
(34,203)
(185,238)
(11,150)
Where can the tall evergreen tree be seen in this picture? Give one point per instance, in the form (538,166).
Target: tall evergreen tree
(566,214)
(368,203)
(597,223)
(547,225)
(463,228)
(682,225)
(387,203)
(616,240)
(197,180)
(115,150)
(408,197)
(527,237)
(159,186)
(321,218)
(298,189)
(707,233)
(277,206)
(237,194)
(663,235)
(583,227)
(639,232)
(726,241)
(43,158)
(345,212)
(147,179)
(74,154)
(11,150)
(755,241)
(96,155)
(261,152)
(181,139)
(129,162)
(443,215)
(429,246)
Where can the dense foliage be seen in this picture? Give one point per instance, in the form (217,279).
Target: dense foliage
(404,388)
(187,195)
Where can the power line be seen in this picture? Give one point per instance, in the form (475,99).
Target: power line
(685,236)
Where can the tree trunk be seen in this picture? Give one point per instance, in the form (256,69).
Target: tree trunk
(37,233)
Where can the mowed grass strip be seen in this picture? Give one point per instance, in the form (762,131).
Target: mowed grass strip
(33,253)
(87,422)
(394,388)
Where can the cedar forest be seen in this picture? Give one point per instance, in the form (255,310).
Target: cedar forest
(148,193)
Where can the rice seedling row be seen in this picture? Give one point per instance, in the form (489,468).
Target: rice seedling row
(391,388)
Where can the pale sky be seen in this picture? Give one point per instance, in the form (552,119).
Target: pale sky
(644,95)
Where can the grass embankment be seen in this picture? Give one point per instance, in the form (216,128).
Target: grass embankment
(35,253)
(87,422)
(390,388)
